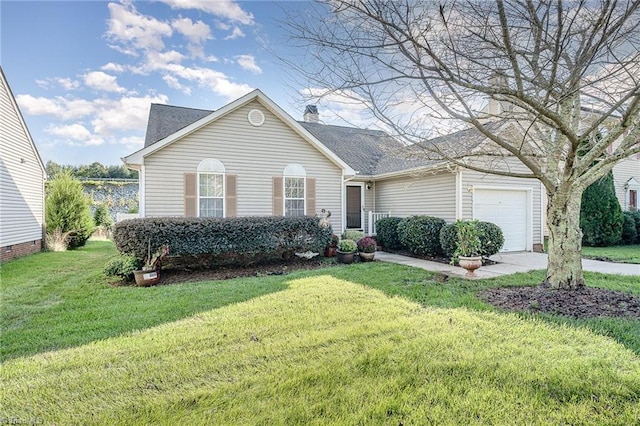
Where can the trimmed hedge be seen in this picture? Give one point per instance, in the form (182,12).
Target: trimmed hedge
(635,215)
(223,241)
(421,234)
(387,232)
(491,238)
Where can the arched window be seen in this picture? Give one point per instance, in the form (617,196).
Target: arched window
(294,190)
(211,188)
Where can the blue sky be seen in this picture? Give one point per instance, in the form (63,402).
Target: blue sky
(85,72)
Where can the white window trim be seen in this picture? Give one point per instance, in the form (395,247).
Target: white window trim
(298,172)
(217,168)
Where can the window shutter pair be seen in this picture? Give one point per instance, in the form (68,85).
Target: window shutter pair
(191,195)
(278,196)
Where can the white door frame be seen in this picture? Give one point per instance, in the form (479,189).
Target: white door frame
(361,185)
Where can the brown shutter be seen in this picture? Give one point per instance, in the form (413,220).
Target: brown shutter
(190,195)
(278,196)
(231,198)
(311,196)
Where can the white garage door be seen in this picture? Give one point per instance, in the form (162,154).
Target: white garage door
(507,209)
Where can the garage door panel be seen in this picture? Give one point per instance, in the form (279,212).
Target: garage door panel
(509,210)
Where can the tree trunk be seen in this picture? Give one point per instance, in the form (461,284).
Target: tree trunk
(565,240)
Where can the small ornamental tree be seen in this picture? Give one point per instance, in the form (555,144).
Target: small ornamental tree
(67,209)
(102,217)
(601,217)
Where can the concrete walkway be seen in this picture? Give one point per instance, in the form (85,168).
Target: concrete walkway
(508,263)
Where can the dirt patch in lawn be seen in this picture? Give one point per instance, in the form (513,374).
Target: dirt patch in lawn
(174,276)
(585,302)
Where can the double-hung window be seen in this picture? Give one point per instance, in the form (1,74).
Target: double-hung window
(210,188)
(294,190)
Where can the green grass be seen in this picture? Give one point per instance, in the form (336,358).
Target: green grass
(624,254)
(365,344)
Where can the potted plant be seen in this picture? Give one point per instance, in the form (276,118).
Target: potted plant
(367,248)
(469,247)
(150,272)
(330,251)
(346,251)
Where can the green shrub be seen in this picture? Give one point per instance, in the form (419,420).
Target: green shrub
(347,246)
(352,234)
(449,239)
(387,233)
(67,209)
(635,215)
(629,232)
(102,217)
(123,267)
(491,238)
(421,234)
(601,217)
(217,241)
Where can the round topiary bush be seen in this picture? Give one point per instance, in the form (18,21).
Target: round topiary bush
(491,238)
(449,239)
(421,234)
(387,233)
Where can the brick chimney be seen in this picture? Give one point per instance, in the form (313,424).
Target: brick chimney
(311,114)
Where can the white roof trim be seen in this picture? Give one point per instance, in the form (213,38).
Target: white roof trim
(22,122)
(137,158)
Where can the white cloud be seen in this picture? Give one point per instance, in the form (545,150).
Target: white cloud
(112,67)
(60,107)
(65,83)
(75,134)
(131,31)
(248,62)
(236,33)
(196,32)
(215,81)
(102,81)
(228,9)
(131,142)
(126,113)
(175,84)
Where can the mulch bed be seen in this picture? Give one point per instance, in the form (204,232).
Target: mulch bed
(175,276)
(585,302)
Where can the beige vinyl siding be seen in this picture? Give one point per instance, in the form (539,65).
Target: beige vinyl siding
(254,154)
(622,172)
(472,179)
(21,177)
(427,194)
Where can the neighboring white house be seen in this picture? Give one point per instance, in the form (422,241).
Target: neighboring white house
(250,158)
(22,177)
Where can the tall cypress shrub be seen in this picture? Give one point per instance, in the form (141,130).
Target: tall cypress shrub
(601,216)
(67,209)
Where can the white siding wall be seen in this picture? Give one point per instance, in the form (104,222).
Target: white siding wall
(254,154)
(433,195)
(622,172)
(21,178)
(474,179)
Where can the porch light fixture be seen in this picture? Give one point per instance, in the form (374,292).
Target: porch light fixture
(368,186)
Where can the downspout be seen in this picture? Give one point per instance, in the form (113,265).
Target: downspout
(459,193)
(142,211)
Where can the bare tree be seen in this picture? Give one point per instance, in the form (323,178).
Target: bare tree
(564,76)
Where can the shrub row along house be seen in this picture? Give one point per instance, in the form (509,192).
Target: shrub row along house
(250,158)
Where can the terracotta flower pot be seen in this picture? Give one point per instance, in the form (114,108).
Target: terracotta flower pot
(146,278)
(470,264)
(330,252)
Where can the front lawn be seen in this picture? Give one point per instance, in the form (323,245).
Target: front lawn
(624,254)
(311,347)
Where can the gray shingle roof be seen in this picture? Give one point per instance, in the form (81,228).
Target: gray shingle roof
(165,120)
(370,152)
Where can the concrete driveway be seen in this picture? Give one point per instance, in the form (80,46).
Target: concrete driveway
(508,263)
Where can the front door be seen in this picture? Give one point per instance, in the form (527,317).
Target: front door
(354,207)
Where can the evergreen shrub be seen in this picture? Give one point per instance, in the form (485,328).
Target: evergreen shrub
(601,217)
(217,241)
(421,234)
(387,233)
(629,231)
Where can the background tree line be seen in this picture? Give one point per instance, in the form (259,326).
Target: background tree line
(94,170)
